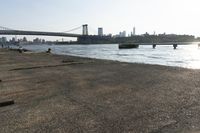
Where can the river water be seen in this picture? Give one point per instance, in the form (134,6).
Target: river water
(187,56)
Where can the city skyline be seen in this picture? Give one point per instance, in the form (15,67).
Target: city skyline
(170,16)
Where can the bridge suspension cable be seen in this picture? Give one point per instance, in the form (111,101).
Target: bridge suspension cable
(74,29)
(93,30)
(4,28)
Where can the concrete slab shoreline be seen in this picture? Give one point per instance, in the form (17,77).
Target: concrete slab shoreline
(54,93)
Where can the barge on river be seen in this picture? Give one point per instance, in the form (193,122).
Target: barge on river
(128,45)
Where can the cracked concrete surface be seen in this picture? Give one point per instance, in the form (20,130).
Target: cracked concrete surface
(96,96)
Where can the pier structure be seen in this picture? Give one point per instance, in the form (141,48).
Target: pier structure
(154,45)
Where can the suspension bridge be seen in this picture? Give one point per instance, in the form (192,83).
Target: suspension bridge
(9,31)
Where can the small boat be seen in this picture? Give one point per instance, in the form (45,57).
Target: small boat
(128,45)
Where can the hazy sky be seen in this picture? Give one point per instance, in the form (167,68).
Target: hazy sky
(170,16)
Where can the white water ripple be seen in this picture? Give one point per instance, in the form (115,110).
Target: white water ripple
(187,56)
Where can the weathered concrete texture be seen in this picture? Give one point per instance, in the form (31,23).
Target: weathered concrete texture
(69,94)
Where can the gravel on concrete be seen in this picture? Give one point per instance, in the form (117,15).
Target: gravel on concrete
(55,93)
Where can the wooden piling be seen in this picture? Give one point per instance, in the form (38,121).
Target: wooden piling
(154,46)
(175,46)
(7,103)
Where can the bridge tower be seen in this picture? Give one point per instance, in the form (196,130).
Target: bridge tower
(85,29)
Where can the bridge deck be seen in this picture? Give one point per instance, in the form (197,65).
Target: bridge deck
(21,32)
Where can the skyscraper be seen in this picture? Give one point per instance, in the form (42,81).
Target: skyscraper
(100,31)
(133,31)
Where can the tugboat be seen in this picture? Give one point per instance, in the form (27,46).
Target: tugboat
(128,45)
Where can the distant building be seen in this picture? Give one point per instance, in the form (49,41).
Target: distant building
(134,33)
(109,35)
(3,40)
(122,34)
(24,39)
(100,31)
(37,40)
(13,40)
(43,41)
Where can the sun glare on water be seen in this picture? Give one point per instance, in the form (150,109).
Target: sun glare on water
(192,57)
